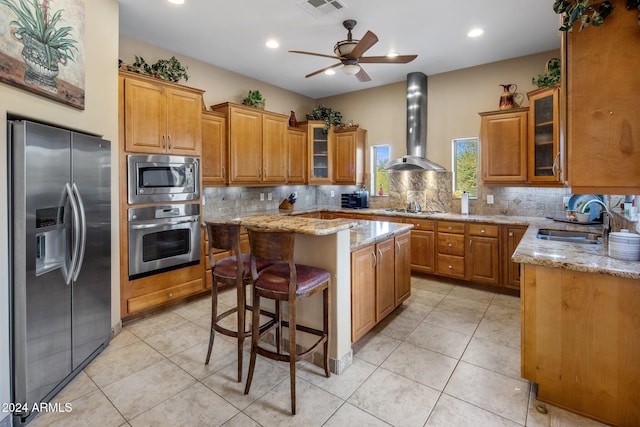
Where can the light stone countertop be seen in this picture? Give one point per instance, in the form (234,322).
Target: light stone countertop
(588,258)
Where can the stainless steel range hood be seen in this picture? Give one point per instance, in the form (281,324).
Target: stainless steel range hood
(416,129)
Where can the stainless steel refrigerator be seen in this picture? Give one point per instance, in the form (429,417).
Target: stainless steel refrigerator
(60,198)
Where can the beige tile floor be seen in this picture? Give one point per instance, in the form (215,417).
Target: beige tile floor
(449,356)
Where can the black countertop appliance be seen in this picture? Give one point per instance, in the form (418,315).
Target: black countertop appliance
(355,200)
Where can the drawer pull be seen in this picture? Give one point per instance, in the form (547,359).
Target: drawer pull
(449,244)
(449,227)
(482,231)
(450,267)
(170,294)
(511,234)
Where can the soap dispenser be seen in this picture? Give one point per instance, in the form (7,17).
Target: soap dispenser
(464,203)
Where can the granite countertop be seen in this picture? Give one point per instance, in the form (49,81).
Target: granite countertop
(367,232)
(282,221)
(587,258)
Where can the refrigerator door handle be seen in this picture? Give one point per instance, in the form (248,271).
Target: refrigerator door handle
(68,273)
(83,235)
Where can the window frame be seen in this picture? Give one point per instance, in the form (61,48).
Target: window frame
(373,158)
(454,177)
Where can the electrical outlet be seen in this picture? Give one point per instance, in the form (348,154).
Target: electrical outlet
(262,197)
(565,202)
(270,196)
(489,199)
(333,193)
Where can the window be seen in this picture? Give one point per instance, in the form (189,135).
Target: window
(465,166)
(380,154)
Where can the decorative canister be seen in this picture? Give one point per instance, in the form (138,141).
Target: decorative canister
(292,120)
(506,99)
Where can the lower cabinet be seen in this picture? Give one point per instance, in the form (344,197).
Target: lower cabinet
(484,253)
(378,272)
(512,236)
(422,257)
(450,253)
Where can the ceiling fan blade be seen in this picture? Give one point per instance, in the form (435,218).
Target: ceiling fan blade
(400,59)
(315,54)
(362,76)
(363,45)
(323,70)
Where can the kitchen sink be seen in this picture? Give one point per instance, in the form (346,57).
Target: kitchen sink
(569,236)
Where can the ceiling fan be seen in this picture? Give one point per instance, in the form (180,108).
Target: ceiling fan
(349,52)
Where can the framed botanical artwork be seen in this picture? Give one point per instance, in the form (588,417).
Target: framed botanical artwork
(42,48)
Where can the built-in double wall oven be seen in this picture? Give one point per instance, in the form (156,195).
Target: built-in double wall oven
(163,235)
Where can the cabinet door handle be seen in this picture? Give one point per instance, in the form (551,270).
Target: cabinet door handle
(265,172)
(398,246)
(164,144)
(375,260)
(224,172)
(470,246)
(169,139)
(511,234)
(555,169)
(380,253)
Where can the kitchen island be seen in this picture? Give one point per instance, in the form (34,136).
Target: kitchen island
(581,326)
(326,244)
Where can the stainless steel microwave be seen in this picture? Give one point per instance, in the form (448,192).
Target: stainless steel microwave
(162,178)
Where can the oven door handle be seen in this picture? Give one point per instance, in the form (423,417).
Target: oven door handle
(161,224)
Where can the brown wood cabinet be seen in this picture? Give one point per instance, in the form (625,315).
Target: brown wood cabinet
(450,243)
(257,144)
(483,253)
(160,117)
(319,152)
(503,142)
(511,270)
(363,291)
(603,118)
(214,148)
(580,340)
(297,156)
(545,154)
(403,267)
(385,278)
(348,166)
(422,245)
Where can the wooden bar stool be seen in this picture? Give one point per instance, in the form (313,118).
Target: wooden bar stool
(285,281)
(233,271)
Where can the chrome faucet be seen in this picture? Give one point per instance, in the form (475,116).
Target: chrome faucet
(606,220)
(413,207)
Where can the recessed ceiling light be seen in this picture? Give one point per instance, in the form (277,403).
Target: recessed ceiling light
(176,1)
(273,44)
(392,54)
(476,32)
(330,72)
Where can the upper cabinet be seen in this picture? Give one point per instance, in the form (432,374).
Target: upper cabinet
(545,154)
(297,156)
(214,148)
(603,118)
(348,166)
(320,152)
(257,144)
(503,139)
(160,117)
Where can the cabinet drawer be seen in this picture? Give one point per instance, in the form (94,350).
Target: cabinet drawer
(483,230)
(153,299)
(451,265)
(451,227)
(421,224)
(451,244)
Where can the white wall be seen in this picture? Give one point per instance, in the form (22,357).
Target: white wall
(100,116)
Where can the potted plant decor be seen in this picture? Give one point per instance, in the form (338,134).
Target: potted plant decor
(551,78)
(44,45)
(165,69)
(588,12)
(328,115)
(254,99)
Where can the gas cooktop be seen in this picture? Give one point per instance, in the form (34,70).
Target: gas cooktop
(413,212)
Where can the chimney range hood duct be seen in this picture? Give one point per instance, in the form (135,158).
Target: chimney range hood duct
(416,129)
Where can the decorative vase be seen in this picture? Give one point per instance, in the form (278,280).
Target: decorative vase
(292,120)
(506,99)
(42,62)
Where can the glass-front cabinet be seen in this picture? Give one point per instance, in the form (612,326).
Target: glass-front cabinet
(545,154)
(320,152)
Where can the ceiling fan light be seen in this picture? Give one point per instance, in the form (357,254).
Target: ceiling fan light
(330,72)
(350,69)
(345,47)
(476,32)
(392,54)
(176,1)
